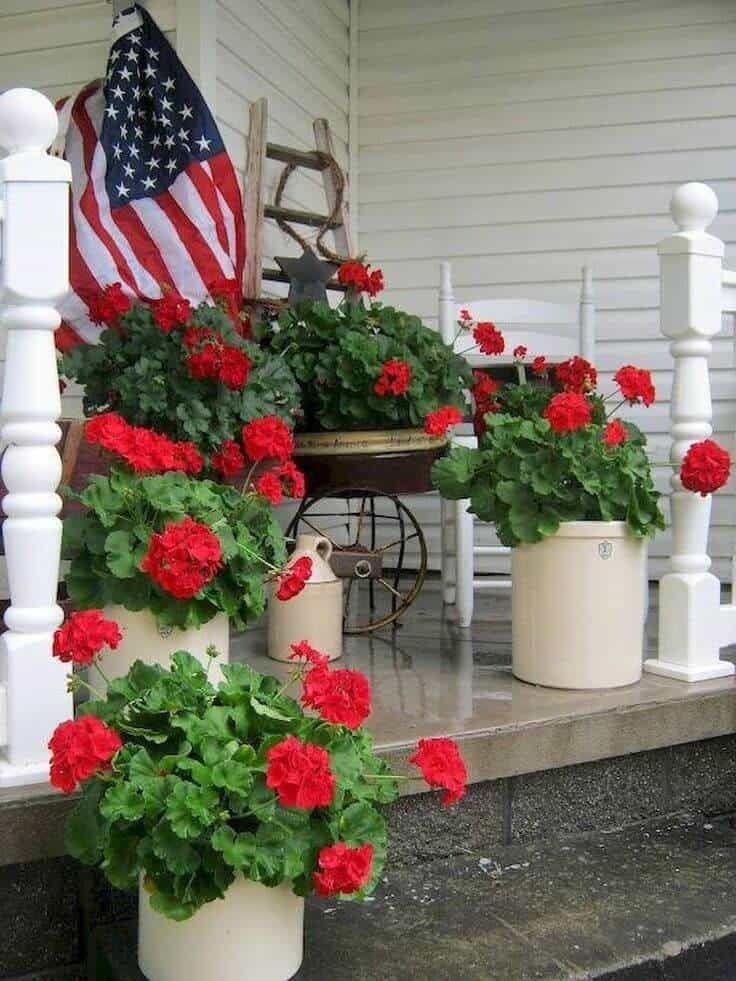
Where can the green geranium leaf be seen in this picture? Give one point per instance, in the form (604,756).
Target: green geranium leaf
(121,560)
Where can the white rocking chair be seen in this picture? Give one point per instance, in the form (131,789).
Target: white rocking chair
(555,330)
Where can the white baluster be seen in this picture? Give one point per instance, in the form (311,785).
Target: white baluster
(34,275)
(691,619)
(587,316)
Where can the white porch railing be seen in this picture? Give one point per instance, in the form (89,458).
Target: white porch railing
(34,274)
(695,291)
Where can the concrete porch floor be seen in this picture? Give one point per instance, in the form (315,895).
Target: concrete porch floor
(430,677)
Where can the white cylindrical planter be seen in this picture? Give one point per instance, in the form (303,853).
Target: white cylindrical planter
(253,934)
(144,641)
(578,607)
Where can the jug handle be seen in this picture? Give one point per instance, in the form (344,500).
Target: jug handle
(323,548)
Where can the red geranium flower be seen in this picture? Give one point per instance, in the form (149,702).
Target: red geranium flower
(614,433)
(519,352)
(343,869)
(438,422)
(84,635)
(183,558)
(375,282)
(568,411)
(268,485)
(488,337)
(481,410)
(170,311)
(108,430)
(267,438)
(234,367)
(79,749)
(442,766)
(304,651)
(300,774)
(466,317)
(353,274)
(483,386)
(341,697)
(394,379)
(292,479)
(577,375)
(187,458)
(109,305)
(193,336)
(294,578)
(229,459)
(706,467)
(635,384)
(204,363)
(539,364)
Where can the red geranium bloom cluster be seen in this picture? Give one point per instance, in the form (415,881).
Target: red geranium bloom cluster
(568,411)
(304,651)
(635,384)
(520,352)
(171,311)
(358,276)
(142,449)
(706,467)
(109,305)
(342,697)
(394,379)
(84,635)
(267,438)
(343,869)
(229,459)
(442,766)
(80,749)
(227,292)
(438,422)
(300,774)
(286,479)
(539,364)
(577,375)
(484,387)
(488,337)
(183,558)
(615,433)
(466,317)
(210,358)
(294,578)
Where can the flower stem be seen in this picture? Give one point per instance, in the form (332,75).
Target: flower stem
(258,558)
(102,673)
(86,684)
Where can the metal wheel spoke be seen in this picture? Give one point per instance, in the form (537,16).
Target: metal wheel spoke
(390,588)
(397,541)
(361,515)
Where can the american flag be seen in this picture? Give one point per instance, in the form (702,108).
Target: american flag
(155,198)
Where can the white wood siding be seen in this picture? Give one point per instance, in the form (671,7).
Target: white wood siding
(522,138)
(296,53)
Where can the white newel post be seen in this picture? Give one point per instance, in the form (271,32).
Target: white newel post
(34,274)
(691,274)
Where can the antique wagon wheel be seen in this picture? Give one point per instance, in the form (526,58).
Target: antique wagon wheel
(369,531)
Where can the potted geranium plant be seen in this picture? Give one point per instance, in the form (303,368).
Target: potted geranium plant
(181,370)
(370,375)
(226,806)
(164,550)
(570,489)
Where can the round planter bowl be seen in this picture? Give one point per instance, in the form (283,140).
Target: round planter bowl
(253,934)
(577,603)
(144,641)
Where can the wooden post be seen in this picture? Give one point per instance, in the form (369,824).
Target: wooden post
(34,275)
(254,197)
(587,316)
(691,620)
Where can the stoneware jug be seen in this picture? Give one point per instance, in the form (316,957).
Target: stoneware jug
(315,614)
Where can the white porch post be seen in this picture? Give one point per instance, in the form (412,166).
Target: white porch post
(34,274)
(690,615)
